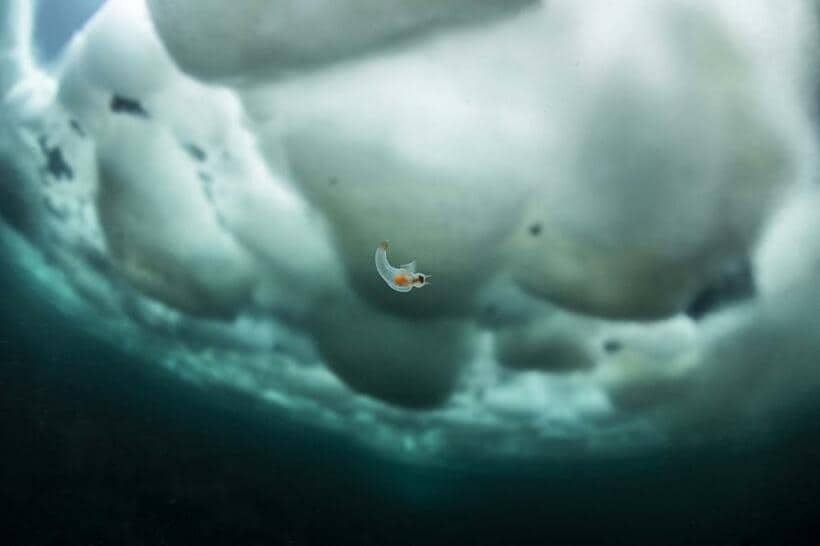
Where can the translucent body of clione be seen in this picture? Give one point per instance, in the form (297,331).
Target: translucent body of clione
(401,279)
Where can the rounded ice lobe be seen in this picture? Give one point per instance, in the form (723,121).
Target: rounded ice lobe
(557,342)
(121,51)
(414,364)
(147,185)
(215,40)
(788,255)
(675,149)
(116,58)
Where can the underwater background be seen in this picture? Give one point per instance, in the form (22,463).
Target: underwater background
(104,449)
(616,203)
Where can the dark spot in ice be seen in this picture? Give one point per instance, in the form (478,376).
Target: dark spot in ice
(535,229)
(195,152)
(735,284)
(491,310)
(612,345)
(55,162)
(205,177)
(332,181)
(125,105)
(77,127)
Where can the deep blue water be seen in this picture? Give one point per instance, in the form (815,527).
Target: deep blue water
(56,21)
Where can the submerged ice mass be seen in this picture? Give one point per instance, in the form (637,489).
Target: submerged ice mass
(609,195)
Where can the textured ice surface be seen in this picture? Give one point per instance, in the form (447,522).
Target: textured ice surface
(583,181)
